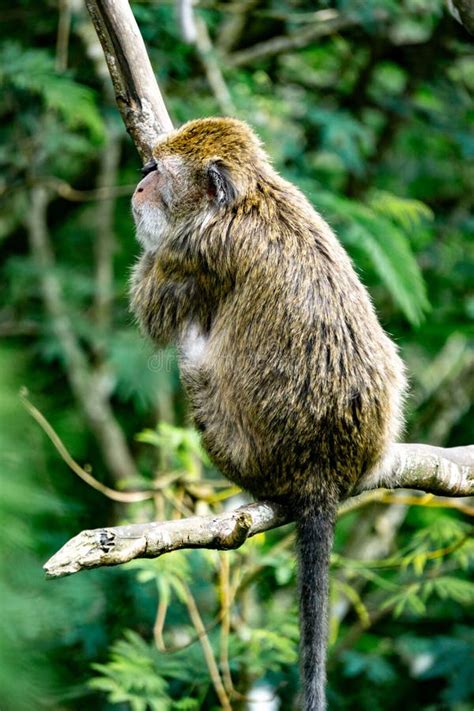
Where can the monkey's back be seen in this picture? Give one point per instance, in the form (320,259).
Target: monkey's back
(293,377)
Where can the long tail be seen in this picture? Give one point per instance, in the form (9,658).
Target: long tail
(315,529)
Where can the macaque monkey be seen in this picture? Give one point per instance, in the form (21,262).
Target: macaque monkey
(293,383)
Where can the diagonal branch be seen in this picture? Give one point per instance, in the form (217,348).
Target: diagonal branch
(119,544)
(327,22)
(463,11)
(417,466)
(136,89)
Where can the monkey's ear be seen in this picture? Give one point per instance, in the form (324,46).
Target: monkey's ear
(221,186)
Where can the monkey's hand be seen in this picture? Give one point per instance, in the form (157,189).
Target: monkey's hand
(162,305)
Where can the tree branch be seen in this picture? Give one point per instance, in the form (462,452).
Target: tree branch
(119,544)
(437,470)
(463,12)
(211,65)
(416,466)
(136,90)
(326,22)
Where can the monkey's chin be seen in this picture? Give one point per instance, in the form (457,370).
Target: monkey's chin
(149,241)
(151,228)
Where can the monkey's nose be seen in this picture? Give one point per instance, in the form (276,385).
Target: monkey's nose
(138,196)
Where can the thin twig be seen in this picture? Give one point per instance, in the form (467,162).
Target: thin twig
(68,192)
(128,497)
(335,22)
(158,627)
(428,500)
(62,38)
(212,67)
(207,649)
(224,590)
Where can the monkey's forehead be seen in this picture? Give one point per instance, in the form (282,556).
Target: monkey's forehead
(207,138)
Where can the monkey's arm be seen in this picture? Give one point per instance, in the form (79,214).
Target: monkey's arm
(162,303)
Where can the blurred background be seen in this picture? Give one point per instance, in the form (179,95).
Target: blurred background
(367,106)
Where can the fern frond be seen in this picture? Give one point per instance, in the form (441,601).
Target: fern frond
(388,248)
(32,70)
(406,212)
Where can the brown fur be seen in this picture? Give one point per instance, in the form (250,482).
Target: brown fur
(292,381)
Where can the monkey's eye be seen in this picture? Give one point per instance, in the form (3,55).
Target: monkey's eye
(149,167)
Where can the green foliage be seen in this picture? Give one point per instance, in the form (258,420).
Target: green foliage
(181,446)
(409,214)
(444,657)
(374,667)
(343,136)
(32,71)
(140,374)
(268,650)
(381,230)
(373,120)
(137,674)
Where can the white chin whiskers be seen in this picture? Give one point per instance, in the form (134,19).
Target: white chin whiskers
(151,225)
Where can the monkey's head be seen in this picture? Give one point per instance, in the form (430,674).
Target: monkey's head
(208,165)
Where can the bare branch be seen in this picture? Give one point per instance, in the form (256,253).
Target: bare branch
(416,466)
(113,546)
(187,22)
(437,470)
(210,63)
(463,12)
(233,26)
(136,90)
(327,22)
(208,652)
(67,192)
(62,38)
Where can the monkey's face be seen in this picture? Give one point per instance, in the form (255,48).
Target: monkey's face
(173,194)
(153,204)
(196,173)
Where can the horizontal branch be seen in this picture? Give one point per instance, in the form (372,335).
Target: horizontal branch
(415,466)
(113,546)
(436,470)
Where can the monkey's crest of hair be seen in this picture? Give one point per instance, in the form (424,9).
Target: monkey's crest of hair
(227,138)
(228,149)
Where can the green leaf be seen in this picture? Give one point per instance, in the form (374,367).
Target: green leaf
(390,253)
(33,70)
(449,588)
(408,213)
(181,445)
(387,247)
